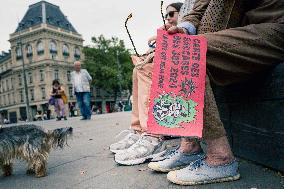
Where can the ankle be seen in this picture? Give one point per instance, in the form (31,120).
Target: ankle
(189,146)
(190,150)
(219,160)
(219,151)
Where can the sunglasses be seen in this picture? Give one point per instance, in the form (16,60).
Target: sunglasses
(170,14)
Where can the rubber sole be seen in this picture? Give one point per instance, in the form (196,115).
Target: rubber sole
(159,169)
(191,183)
(136,161)
(116,151)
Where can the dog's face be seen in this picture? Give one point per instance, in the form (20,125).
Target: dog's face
(63,131)
(60,136)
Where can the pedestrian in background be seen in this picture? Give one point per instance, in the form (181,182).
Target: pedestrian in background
(56,93)
(81,80)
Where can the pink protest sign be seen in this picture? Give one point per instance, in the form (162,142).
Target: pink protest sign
(178,85)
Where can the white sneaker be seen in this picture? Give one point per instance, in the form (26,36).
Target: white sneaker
(130,139)
(144,149)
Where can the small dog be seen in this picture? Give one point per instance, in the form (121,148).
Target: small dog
(32,144)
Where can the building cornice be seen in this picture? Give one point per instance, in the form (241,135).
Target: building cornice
(17,36)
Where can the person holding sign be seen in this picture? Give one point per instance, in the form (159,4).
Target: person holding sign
(139,146)
(245,38)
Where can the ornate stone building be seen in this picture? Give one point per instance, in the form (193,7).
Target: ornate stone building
(47,43)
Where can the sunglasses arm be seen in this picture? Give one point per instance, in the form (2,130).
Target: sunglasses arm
(164,21)
(129,17)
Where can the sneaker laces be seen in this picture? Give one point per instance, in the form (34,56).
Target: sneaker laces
(172,153)
(137,144)
(143,140)
(196,164)
(128,131)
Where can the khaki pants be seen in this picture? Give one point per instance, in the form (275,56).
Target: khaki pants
(142,80)
(235,55)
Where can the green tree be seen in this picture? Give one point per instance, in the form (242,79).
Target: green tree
(101,60)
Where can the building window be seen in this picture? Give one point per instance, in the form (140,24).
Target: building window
(29,50)
(77,53)
(68,75)
(40,48)
(71,92)
(9,99)
(12,86)
(13,97)
(43,95)
(3,85)
(52,47)
(65,50)
(21,96)
(18,53)
(7,84)
(20,79)
(30,77)
(41,73)
(56,74)
(32,93)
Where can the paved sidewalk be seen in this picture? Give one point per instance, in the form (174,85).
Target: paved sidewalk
(87,163)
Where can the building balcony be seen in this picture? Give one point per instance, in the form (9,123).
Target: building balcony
(41,52)
(66,54)
(77,56)
(29,55)
(18,57)
(53,51)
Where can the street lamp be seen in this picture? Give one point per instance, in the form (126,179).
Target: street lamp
(119,76)
(19,45)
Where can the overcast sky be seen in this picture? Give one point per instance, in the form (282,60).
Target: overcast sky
(92,18)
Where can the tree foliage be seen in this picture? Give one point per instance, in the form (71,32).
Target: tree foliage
(101,61)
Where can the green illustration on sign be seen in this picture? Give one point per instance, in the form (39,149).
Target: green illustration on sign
(170,111)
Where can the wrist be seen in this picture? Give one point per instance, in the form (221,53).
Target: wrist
(188,27)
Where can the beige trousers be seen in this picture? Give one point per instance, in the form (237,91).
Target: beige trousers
(142,80)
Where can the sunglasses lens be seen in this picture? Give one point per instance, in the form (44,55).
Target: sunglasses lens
(171,14)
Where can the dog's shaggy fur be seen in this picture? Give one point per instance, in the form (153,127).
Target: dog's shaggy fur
(30,143)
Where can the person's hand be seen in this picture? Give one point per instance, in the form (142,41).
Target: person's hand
(166,27)
(152,39)
(175,29)
(137,59)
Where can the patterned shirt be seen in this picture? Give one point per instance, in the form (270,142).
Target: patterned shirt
(185,9)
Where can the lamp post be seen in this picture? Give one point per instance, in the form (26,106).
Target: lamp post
(19,44)
(119,75)
(1,117)
(53,57)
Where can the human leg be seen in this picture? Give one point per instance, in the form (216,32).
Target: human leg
(87,104)
(62,108)
(57,109)
(148,146)
(79,97)
(233,55)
